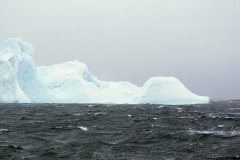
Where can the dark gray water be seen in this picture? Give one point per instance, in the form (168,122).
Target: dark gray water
(139,132)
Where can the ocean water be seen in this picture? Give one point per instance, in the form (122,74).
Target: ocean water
(134,132)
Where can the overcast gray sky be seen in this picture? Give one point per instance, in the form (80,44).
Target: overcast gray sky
(196,41)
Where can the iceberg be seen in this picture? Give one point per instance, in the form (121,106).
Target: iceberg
(71,82)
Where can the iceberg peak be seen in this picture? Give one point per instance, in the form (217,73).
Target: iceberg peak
(17,46)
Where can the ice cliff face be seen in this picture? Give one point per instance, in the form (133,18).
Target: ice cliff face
(18,80)
(71,82)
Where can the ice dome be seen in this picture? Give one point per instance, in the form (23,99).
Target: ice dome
(171,91)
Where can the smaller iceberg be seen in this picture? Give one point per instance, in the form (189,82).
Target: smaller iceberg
(71,82)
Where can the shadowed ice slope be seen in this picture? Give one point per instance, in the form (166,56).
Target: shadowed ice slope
(71,82)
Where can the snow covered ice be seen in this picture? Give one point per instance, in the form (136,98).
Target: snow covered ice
(71,82)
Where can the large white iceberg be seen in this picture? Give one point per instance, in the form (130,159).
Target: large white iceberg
(71,82)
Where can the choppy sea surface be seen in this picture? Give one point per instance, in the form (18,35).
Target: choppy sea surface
(134,132)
